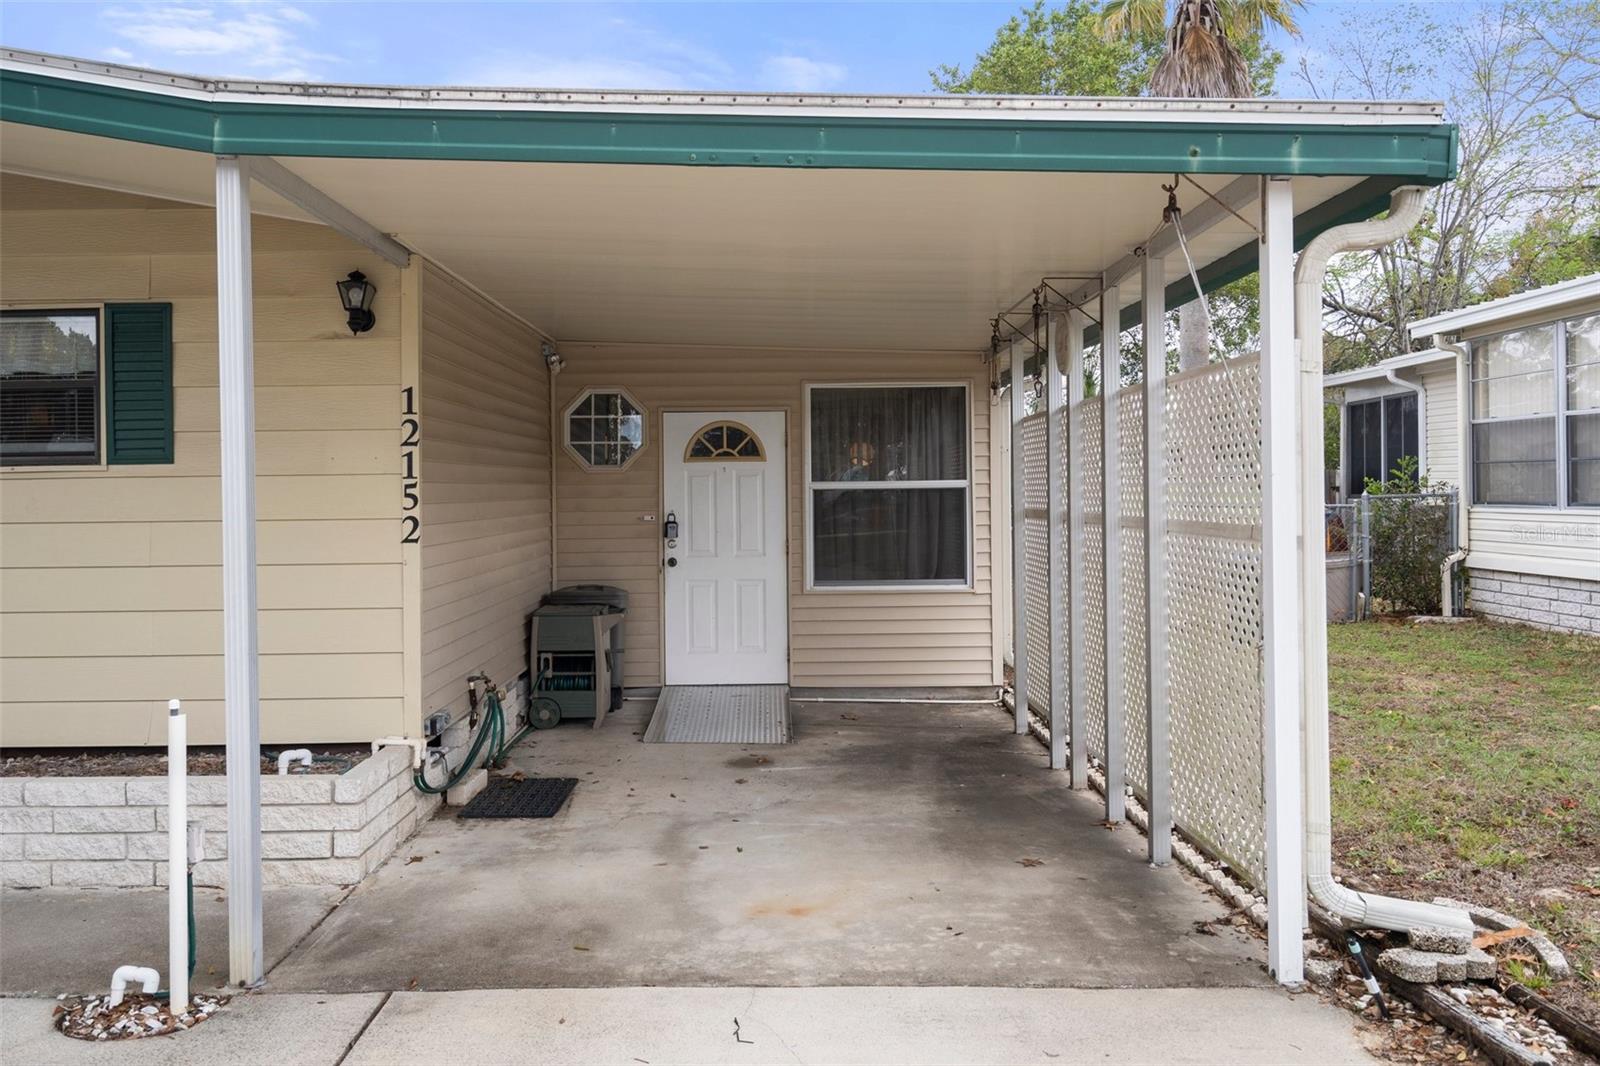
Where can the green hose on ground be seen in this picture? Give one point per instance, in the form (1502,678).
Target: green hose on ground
(492,735)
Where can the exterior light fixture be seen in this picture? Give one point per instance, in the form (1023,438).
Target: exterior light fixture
(356,293)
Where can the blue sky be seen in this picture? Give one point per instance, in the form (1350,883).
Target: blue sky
(836,47)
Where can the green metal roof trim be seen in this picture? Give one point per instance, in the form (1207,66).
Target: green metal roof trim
(1424,154)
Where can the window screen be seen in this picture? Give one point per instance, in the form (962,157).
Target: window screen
(1399,431)
(1514,402)
(1365,445)
(889,485)
(1583,411)
(49,387)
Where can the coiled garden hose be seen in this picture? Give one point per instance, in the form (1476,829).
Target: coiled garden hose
(491,736)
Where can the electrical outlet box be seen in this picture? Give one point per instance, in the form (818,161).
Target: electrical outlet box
(437,723)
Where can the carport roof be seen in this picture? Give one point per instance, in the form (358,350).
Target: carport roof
(738,219)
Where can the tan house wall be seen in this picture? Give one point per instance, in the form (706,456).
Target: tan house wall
(485,409)
(110,578)
(836,638)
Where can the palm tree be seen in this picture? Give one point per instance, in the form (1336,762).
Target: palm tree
(1199,61)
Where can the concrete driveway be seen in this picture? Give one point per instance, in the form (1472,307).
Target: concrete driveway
(887,845)
(857,896)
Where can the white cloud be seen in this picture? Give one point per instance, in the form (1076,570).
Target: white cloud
(800,74)
(252,41)
(118,55)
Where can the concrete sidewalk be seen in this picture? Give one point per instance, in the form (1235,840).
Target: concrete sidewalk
(659,1026)
(69,940)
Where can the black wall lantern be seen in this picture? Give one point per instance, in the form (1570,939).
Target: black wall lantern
(356,293)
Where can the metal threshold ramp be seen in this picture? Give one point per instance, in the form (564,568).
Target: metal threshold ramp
(720,714)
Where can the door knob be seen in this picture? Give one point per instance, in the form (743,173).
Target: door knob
(671,561)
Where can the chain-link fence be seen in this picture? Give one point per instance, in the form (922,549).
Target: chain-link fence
(1385,551)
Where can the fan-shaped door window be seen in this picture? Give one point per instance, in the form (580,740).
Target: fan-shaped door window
(722,442)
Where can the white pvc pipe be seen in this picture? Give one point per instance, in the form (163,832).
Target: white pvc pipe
(1353,908)
(300,755)
(147,977)
(177,857)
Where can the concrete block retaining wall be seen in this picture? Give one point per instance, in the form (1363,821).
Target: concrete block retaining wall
(1567,605)
(111,832)
(316,829)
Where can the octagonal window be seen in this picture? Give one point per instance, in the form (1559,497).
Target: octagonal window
(604,428)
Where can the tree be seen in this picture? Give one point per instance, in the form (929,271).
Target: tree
(1056,52)
(1067,51)
(1524,199)
(1201,60)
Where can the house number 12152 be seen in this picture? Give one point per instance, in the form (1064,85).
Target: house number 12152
(410,437)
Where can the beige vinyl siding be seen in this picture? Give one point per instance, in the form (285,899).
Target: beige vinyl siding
(110,578)
(1443,430)
(608,531)
(485,466)
(1536,540)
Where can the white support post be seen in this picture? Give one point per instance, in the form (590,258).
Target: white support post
(1280,588)
(1077,616)
(241,682)
(1019,540)
(1111,520)
(1054,397)
(1158,768)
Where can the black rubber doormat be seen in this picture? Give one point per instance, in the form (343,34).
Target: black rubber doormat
(531,797)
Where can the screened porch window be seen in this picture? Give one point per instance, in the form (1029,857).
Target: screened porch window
(1383,432)
(1536,416)
(889,485)
(49,387)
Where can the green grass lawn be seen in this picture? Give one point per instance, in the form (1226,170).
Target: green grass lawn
(1466,763)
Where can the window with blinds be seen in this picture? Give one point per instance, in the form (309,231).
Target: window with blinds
(49,387)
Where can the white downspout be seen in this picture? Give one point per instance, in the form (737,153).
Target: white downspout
(1422,418)
(1350,907)
(1464,431)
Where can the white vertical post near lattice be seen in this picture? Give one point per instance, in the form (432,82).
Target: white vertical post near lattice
(1077,609)
(1019,540)
(1158,768)
(1111,511)
(1280,588)
(240,679)
(1054,475)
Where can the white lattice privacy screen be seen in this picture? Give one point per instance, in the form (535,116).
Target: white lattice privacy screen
(1130,450)
(1090,449)
(1036,533)
(1214,585)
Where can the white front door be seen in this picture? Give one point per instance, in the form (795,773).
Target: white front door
(727,605)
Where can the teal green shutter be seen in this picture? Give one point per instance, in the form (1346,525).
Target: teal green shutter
(138,383)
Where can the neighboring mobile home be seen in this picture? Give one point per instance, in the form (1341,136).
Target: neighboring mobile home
(744,356)
(1506,408)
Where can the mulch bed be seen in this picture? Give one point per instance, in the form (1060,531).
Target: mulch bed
(138,1015)
(145,762)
